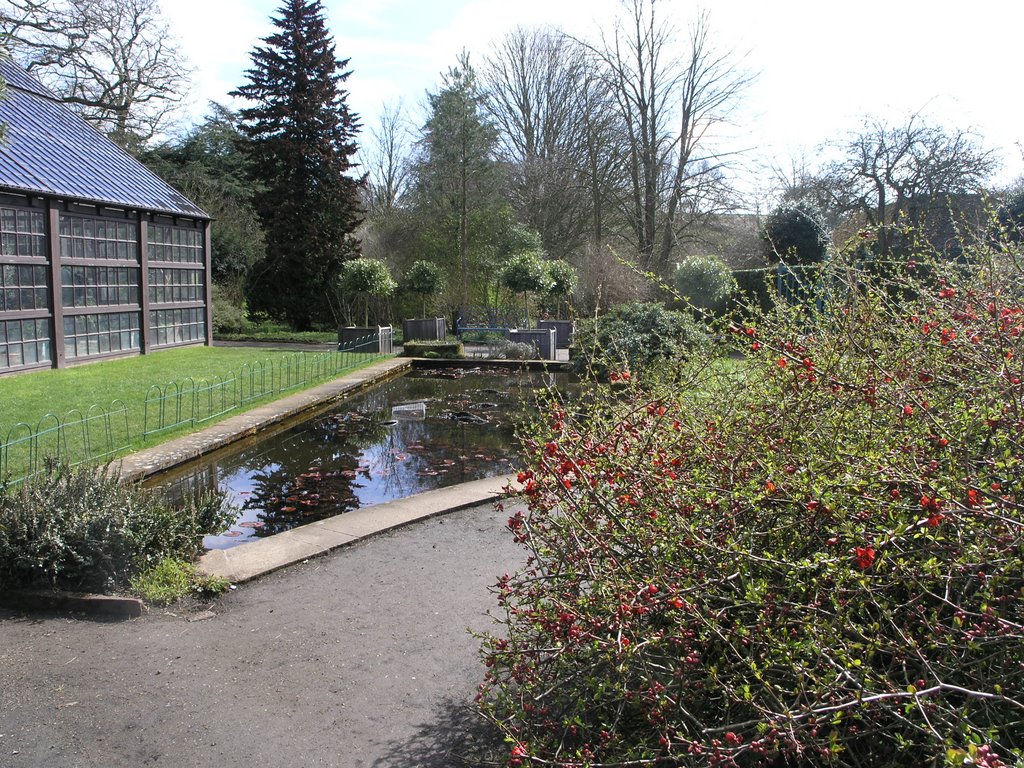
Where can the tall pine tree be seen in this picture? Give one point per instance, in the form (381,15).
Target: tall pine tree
(302,140)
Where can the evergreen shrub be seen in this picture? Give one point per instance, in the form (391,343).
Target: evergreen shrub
(640,335)
(83,528)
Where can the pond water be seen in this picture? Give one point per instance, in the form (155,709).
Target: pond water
(425,430)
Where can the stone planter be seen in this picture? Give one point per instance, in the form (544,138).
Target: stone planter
(374,339)
(542,339)
(563,331)
(424,329)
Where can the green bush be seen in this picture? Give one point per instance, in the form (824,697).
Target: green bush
(426,279)
(366,278)
(564,280)
(228,317)
(796,235)
(283,336)
(705,282)
(82,528)
(526,273)
(813,559)
(482,337)
(634,336)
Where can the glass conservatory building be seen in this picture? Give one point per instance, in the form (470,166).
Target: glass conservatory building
(99,257)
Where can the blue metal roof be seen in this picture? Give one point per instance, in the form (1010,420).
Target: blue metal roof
(51,151)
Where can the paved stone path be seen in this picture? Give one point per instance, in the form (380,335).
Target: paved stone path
(355,659)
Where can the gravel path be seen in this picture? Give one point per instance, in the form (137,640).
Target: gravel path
(359,658)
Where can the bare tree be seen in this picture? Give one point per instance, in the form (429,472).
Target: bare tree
(537,82)
(111,60)
(669,109)
(387,161)
(600,135)
(907,173)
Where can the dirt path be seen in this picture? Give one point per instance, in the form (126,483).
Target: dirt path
(359,658)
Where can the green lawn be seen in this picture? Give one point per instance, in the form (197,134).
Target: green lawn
(69,394)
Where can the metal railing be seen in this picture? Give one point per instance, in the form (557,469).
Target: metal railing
(78,438)
(194,401)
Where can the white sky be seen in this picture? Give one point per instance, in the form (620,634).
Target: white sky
(821,64)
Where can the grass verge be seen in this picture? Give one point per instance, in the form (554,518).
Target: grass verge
(173,579)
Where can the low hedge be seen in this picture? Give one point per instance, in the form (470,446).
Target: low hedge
(445,348)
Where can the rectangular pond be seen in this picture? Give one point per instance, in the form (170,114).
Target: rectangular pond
(425,430)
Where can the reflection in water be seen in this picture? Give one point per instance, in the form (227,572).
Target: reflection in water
(365,452)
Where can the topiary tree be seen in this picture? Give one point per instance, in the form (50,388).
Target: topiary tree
(563,277)
(795,235)
(704,281)
(526,272)
(366,278)
(424,278)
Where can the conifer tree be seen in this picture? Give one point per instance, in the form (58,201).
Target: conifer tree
(302,140)
(457,181)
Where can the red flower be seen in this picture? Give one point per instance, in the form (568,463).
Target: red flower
(865,557)
(782,362)
(518,753)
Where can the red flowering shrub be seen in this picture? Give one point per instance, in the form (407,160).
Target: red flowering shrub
(811,557)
